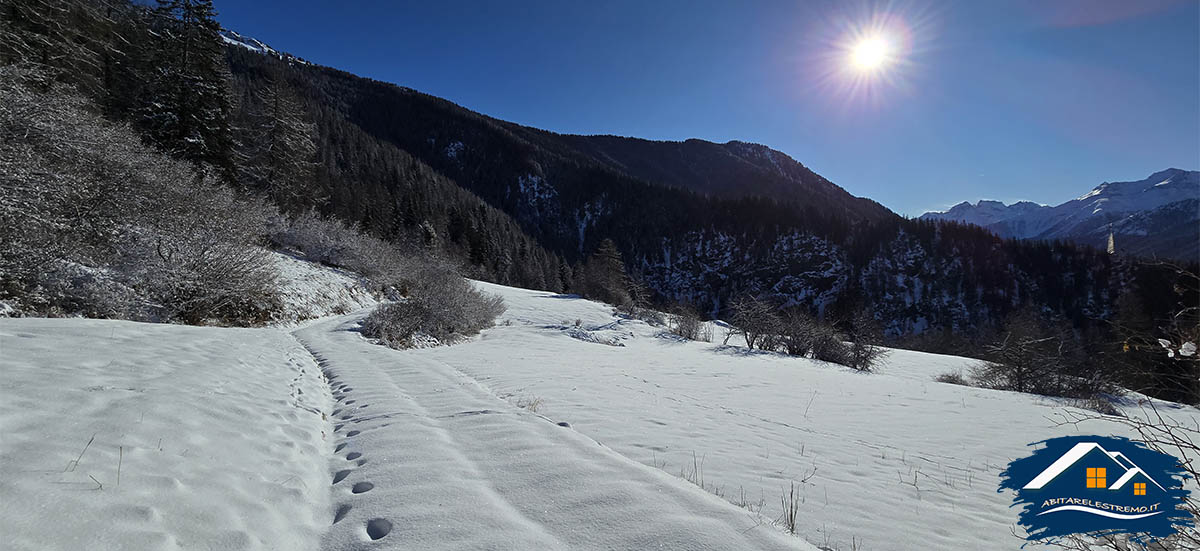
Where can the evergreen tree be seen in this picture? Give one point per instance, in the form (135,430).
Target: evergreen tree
(185,106)
(604,275)
(277,148)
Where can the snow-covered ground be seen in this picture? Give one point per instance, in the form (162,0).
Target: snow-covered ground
(893,460)
(312,291)
(536,435)
(426,458)
(122,435)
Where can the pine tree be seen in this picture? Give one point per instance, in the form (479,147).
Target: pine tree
(185,107)
(278,147)
(604,275)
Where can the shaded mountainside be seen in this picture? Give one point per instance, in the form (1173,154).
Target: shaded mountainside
(1155,216)
(733,169)
(697,222)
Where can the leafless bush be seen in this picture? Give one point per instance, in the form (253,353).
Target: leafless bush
(94,222)
(863,353)
(441,305)
(796,332)
(953,377)
(334,243)
(686,323)
(1035,357)
(828,346)
(755,320)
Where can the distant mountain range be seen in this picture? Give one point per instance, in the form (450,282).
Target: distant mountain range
(1158,216)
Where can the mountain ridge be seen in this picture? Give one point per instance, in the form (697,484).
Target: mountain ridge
(1156,215)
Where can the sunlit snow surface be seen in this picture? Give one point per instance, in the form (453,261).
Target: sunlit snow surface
(217,435)
(895,460)
(428,449)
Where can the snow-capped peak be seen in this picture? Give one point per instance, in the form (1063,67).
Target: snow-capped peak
(1111,206)
(233,38)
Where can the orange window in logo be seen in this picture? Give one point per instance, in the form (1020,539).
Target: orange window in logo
(1096,478)
(1139,488)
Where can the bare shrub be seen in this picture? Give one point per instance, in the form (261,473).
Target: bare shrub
(796,332)
(335,243)
(96,223)
(953,377)
(1031,356)
(755,320)
(442,305)
(686,323)
(828,346)
(864,354)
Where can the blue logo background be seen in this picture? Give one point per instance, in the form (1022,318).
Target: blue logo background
(1065,504)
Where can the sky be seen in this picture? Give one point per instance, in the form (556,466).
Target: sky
(1007,100)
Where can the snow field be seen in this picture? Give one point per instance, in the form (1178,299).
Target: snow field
(887,460)
(429,459)
(216,436)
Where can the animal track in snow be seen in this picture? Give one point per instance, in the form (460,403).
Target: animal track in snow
(352,456)
(342,511)
(378,528)
(341,475)
(362,487)
(352,433)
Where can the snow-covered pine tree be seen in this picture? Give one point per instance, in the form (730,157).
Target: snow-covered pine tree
(185,106)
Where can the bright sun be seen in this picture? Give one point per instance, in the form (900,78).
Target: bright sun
(870,54)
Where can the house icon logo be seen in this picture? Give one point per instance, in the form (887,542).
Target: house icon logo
(1097,485)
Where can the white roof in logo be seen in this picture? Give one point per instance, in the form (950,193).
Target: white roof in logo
(1076,453)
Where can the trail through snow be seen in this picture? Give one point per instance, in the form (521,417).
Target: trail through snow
(429,459)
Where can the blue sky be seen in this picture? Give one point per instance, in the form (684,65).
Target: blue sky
(1008,100)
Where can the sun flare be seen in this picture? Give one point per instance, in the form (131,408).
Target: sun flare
(870,54)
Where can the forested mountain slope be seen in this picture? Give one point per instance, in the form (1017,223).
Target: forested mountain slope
(833,253)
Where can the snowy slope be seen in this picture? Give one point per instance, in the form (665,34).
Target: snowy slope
(893,460)
(536,435)
(1136,208)
(216,434)
(233,38)
(310,290)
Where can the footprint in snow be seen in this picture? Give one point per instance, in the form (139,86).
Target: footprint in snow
(362,487)
(341,475)
(352,456)
(378,528)
(342,511)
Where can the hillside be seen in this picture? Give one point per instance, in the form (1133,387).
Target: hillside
(1155,216)
(677,216)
